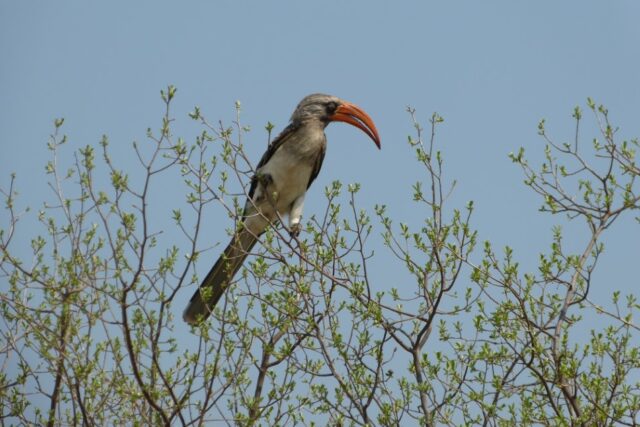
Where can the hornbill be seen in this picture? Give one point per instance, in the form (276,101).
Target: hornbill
(285,172)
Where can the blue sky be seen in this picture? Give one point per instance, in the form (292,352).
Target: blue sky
(492,69)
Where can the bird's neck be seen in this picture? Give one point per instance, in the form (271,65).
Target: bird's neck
(310,140)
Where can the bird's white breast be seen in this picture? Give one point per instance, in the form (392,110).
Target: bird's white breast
(290,176)
(289,168)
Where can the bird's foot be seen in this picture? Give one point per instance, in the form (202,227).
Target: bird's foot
(294,229)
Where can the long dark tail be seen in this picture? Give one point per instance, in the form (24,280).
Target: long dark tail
(217,281)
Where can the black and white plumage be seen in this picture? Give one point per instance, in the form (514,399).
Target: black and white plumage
(283,175)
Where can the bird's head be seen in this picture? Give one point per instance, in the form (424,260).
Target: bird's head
(327,109)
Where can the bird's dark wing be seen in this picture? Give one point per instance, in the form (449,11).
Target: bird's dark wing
(273,147)
(317,165)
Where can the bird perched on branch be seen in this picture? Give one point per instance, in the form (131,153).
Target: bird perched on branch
(285,172)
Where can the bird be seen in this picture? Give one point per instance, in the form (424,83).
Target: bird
(278,188)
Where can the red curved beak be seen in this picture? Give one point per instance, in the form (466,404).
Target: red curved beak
(355,116)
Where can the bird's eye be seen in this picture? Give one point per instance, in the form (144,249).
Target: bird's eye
(331,107)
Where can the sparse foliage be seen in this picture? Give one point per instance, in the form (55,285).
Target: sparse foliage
(306,335)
